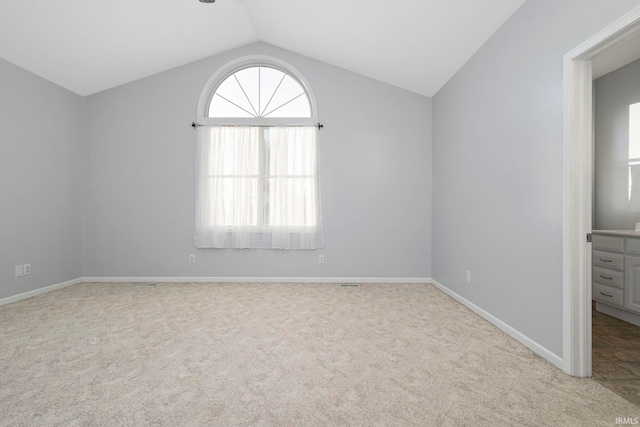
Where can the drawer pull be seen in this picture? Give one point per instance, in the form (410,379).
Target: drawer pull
(605,277)
(606,295)
(605,260)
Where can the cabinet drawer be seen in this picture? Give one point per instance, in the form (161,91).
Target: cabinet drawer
(633,246)
(607,260)
(607,294)
(608,243)
(608,277)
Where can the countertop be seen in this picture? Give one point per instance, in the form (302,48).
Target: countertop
(628,233)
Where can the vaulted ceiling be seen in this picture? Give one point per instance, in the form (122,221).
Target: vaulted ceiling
(88,46)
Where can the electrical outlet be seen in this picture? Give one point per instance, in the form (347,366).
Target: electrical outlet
(192,259)
(19,271)
(468,276)
(26,269)
(320,259)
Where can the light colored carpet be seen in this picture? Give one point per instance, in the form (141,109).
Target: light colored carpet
(123,354)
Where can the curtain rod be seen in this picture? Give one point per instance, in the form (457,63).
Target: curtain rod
(194,124)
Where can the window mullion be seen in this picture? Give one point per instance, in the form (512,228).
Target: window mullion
(261,179)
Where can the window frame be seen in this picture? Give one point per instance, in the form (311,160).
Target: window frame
(203,119)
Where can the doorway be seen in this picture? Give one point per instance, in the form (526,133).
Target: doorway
(611,44)
(616,189)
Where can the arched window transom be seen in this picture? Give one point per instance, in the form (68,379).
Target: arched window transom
(260,92)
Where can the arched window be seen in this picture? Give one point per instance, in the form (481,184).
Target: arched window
(260,92)
(256,178)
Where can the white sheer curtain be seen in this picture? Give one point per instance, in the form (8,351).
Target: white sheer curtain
(257,187)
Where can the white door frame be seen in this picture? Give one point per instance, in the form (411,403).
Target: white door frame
(578,190)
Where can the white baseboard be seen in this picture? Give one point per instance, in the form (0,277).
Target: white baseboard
(40,291)
(423,280)
(514,333)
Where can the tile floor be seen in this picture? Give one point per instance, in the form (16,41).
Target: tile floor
(616,355)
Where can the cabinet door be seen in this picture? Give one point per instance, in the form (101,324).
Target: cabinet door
(632,283)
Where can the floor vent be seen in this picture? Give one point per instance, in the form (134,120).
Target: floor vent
(349,285)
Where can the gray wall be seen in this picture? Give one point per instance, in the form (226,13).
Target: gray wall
(497,166)
(613,93)
(40,181)
(375,171)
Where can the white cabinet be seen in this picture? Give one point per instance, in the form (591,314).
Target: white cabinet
(632,283)
(608,269)
(608,277)
(616,275)
(607,260)
(608,243)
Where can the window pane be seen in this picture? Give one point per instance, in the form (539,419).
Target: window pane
(634,131)
(634,145)
(249,79)
(291,202)
(299,107)
(220,107)
(235,151)
(231,90)
(234,201)
(270,78)
(291,151)
(288,90)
